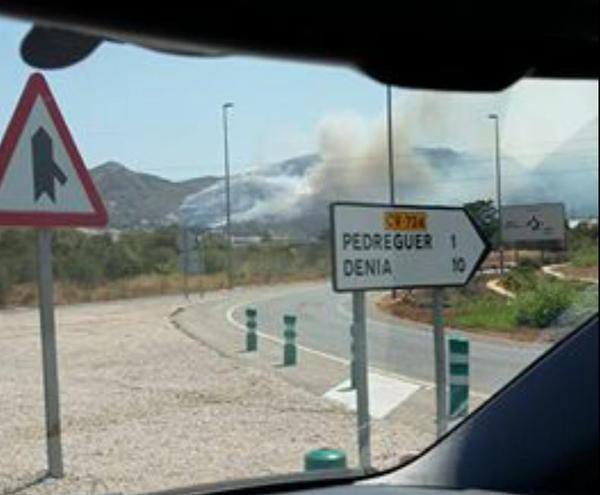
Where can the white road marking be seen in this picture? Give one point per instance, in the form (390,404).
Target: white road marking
(385,394)
(427,385)
(240,326)
(277,340)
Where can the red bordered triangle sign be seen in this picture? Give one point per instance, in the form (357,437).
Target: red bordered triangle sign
(43,180)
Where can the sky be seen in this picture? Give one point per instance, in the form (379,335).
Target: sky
(162,113)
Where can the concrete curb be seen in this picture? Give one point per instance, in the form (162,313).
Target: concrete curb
(552,271)
(494,286)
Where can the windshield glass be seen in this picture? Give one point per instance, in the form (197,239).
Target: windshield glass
(221,326)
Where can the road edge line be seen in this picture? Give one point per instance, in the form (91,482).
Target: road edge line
(422,383)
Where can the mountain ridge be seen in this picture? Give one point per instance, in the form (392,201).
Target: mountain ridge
(138,199)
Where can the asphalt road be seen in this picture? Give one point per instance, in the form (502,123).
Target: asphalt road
(404,349)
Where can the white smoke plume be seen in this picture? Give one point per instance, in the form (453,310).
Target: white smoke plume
(443,154)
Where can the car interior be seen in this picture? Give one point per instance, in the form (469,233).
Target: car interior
(538,434)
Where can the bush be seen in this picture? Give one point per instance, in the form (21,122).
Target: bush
(530,263)
(540,306)
(5,286)
(487,312)
(585,256)
(122,262)
(82,270)
(521,278)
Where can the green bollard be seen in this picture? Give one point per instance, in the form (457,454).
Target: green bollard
(289,336)
(459,377)
(324,459)
(251,338)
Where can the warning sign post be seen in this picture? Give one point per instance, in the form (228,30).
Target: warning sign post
(43,184)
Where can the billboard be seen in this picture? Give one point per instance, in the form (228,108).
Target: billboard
(535,226)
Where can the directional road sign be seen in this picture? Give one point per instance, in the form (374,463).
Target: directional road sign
(378,246)
(43,180)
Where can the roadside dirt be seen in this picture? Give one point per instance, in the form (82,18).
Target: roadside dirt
(146,408)
(514,256)
(589,272)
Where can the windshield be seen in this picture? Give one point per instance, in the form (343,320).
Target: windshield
(228,322)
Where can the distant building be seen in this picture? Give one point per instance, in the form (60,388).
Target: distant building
(587,222)
(245,240)
(114,234)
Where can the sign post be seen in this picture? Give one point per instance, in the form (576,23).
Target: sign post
(50,368)
(359,323)
(382,246)
(44,184)
(191,257)
(440,361)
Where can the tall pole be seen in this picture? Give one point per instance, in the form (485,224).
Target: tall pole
(185,261)
(496,120)
(390,145)
(227,106)
(390,142)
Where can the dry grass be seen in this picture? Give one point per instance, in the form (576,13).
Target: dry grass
(144,286)
(575,272)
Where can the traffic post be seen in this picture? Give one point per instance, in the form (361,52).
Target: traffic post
(251,325)
(325,459)
(458,404)
(290,353)
(44,184)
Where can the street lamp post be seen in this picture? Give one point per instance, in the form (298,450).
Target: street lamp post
(226,107)
(390,142)
(496,120)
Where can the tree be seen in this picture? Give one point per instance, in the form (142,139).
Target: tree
(485,214)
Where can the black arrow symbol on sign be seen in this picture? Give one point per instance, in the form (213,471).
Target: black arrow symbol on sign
(534,223)
(45,169)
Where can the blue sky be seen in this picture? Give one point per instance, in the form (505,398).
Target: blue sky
(162,113)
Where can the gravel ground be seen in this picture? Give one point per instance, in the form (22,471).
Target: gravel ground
(145,408)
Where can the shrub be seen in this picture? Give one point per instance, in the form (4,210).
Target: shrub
(82,270)
(540,306)
(5,285)
(521,278)
(586,255)
(530,263)
(485,312)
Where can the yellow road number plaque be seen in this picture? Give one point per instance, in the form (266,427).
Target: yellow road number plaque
(400,220)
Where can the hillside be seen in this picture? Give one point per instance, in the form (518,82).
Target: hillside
(136,199)
(291,197)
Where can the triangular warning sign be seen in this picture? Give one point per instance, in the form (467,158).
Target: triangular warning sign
(43,180)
